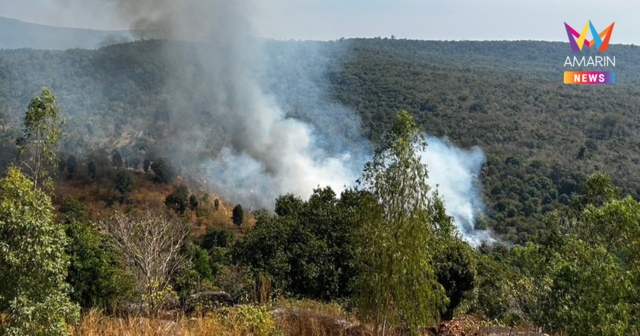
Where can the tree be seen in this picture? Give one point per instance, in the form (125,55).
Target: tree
(578,276)
(125,182)
(455,267)
(72,165)
(145,165)
(216,204)
(150,244)
(238,215)
(93,169)
(95,273)
(42,131)
(33,263)
(193,202)
(397,284)
(165,171)
(308,249)
(117,159)
(178,200)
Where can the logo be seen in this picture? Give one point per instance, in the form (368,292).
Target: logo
(600,44)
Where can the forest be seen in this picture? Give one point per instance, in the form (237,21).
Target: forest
(103,213)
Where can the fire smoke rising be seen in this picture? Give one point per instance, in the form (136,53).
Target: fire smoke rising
(267,152)
(455,171)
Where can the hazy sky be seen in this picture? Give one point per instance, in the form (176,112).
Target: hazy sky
(416,19)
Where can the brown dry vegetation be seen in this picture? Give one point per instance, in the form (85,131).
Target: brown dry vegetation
(100,198)
(293,318)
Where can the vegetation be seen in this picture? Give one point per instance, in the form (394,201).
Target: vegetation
(560,183)
(178,200)
(238,215)
(165,171)
(33,262)
(125,182)
(397,284)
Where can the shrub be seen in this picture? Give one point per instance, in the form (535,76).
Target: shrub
(178,199)
(165,171)
(238,215)
(125,182)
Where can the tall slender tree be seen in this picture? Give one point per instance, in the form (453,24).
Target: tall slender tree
(397,285)
(42,130)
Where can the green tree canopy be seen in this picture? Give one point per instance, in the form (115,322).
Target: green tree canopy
(42,131)
(397,284)
(33,263)
(237,215)
(165,171)
(178,200)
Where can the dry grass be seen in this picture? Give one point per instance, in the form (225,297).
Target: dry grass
(246,320)
(293,318)
(100,198)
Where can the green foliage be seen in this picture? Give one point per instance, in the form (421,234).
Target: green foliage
(73,210)
(165,171)
(94,272)
(216,238)
(125,182)
(397,284)
(33,263)
(216,204)
(578,277)
(178,200)
(42,131)
(197,274)
(193,202)
(307,248)
(455,266)
(237,215)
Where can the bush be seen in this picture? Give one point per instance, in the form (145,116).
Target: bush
(73,210)
(94,274)
(193,202)
(178,199)
(216,238)
(165,171)
(125,182)
(238,215)
(93,169)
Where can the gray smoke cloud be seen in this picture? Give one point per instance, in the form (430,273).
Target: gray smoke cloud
(264,152)
(455,173)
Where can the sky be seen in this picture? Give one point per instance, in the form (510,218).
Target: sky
(413,19)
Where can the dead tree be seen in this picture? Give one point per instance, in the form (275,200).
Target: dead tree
(150,244)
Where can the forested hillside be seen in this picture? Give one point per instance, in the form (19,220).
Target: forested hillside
(541,137)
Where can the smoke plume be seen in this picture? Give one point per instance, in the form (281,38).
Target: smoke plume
(264,153)
(455,173)
(274,145)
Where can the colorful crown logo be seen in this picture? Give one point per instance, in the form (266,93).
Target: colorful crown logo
(600,44)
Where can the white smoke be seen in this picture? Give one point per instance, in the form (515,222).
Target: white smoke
(455,173)
(265,153)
